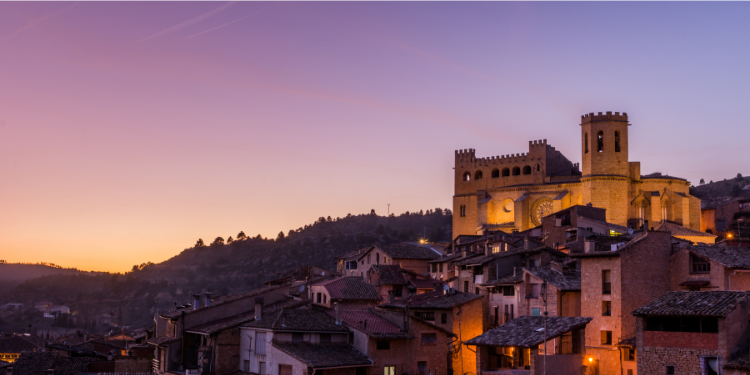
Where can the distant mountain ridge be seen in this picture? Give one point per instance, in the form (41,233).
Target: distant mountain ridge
(20,272)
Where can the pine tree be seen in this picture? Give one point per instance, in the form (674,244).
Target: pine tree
(199,243)
(280,236)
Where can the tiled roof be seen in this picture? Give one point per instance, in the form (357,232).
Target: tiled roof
(434,300)
(233,321)
(729,256)
(424,283)
(353,255)
(714,303)
(679,230)
(481,260)
(528,331)
(324,355)
(252,293)
(452,257)
(161,340)
(350,289)
(371,324)
(298,319)
(39,362)
(741,362)
(569,281)
(631,241)
(506,280)
(390,275)
(407,251)
(17,344)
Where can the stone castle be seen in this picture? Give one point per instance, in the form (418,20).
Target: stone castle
(513,192)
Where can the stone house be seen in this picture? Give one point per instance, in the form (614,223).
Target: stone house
(717,216)
(398,282)
(350,292)
(444,268)
(566,230)
(563,290)
(412,257)
(711,268)
(528,346)
(348,264)
(615,280)
(504,298)
(299,341)
(693,333)
(463,314)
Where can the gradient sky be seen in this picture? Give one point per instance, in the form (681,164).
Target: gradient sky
(129,130)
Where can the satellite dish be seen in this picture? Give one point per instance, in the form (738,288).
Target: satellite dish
(630,230)
(323,273)
(301,288)
(446,287)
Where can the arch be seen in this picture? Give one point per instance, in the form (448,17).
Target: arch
(495,173)
(600,141)
(617,141)
(467,176)
(516,171)
(478,175)
(585,143)
(506,172)
(526,169)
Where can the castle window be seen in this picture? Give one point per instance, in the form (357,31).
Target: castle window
(462,211)
(506,172)
(538,167)
(600,141)
(585,143)
(516,171)
(495,173)
(617,141)
(478,175)
(526,170)
(467,176)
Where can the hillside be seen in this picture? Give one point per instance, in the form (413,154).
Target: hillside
(717,193)
(221,268)
(18,272)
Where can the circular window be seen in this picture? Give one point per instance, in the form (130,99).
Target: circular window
(508,205)
(541,208)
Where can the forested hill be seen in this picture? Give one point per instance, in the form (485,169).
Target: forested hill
(225,267)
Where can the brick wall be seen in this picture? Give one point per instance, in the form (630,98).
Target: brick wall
(691,340)
(653,360)
(471,325)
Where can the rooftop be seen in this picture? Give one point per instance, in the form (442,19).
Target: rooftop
(570,280)
(434,300)
(252,293)
(232,321)
(729,256)
(298,319)
(679,230)
(371,324)
(406,251)
(350,288)
(713,303)
(324,355)
(390,274)
(528,331)
(19,344)
(741,362)
(507,280)
(40,362)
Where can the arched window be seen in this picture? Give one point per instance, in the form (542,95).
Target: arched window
(516,171)
(467,176)
(617,141)
(506,172)
(538,167)
(495,173)
(600,141)
(585,143)
(478,175)
(526,169)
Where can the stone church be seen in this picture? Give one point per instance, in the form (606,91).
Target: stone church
(513,192)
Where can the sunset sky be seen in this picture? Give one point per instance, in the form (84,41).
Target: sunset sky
(129,130)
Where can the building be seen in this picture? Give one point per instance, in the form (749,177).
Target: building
(686,234)
(567,229)
(528,344)
(48,363)
(711,268)
(412,257)
(12,346)
(350,292)
(691,332)
(719,215)
(514,192)
(563,293)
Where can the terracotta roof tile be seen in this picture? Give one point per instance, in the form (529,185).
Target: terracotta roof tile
(435,300)
(371,324)
(570,281)
(390,275)
(31,363)
(298,319)
(350,288)
(407,251)
(528,331)
(679,230)
(18,344)
(729,256)
(714,303)
(324,355)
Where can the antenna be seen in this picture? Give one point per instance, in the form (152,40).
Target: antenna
(389,210)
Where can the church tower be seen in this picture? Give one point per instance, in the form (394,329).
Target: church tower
(605,167)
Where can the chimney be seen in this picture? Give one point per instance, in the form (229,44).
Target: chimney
(338,313)
(208,298)
(391,296)
(196,301)
(258,307)
(526,244)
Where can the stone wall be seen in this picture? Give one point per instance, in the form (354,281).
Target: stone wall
(654,360)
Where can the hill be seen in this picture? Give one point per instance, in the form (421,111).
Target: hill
(714,194)
(19,272)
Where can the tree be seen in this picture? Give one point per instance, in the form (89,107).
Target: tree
(290,232)
(280,236)
(329,219)
(230,240)
(739,177)
(217,241)
(372,212)
(241,235)
(380,229)
(437,234)
(199,243)
(703,182)
(736,190)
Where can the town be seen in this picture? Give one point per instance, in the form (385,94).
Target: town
(552,268)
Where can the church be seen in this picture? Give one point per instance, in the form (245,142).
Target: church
(513,192)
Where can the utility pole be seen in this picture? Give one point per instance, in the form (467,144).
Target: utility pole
(389,210)
(544,359)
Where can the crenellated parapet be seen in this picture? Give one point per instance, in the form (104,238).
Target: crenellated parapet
(601,117)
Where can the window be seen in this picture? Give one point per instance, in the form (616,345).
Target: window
(585,143)
(535,312)
(538,167)
(476,290)
(630,372)
(260,343)
(325,298)
(534,290)
(600,141)
(429,339)
(462,210)
(298,337)
(377,258)
(443,318)
(496,318)
(629,354)
(712,366)
(383,345)
(509,291)
(325,338)
(466,287)
(606,308)
(261,368)
(385,259)
(511,312)
(389,370)
(246,365)
(495,173)
(397,291)
(526,169)
(669,370)
(606,337)
(422,368)
(617,141)
(506,172)
(319,298)
(699,265)
(682,324)
(606,282)
(516,171)
(369,258)
(478,175)
(467,176)
(285,369)
(434,267)
(440,267)
(426,315)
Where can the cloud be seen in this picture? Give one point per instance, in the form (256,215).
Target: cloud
(189,22)
(38,21)
(231,22)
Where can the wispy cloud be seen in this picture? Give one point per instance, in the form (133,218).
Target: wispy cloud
(37,21)
(231,22)
(189,22)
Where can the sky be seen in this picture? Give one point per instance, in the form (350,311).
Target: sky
(128,130)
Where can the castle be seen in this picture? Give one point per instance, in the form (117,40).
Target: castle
(513,192)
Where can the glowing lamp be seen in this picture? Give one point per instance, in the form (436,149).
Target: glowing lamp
(729,235)
(591,359)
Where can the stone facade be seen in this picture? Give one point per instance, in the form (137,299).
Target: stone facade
(513,192)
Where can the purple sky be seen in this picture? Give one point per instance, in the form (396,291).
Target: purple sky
(129,130)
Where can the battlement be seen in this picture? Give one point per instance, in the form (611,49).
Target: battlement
(537,143)
(591,117)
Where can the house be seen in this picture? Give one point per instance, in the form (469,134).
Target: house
(691,332)
(42,305)
(529,345)
(48,363)
(395,348)
(718,215)
(350,292)
(566,230)
(457,312)
(444,268)
(711,268)
(13,306)
(299,341)
(504,298)
(388,279)
(348,264)
(12,346)
(563,293)
(413,257)
(618,275)
(687,234)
